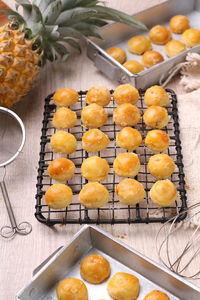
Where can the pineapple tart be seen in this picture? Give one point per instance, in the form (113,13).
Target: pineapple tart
(61,169)
(94,140)
(95,168)
(63,142)
(99,95)
(156,117)
(133,66)
(64,118)
(126,114)
(95,268)
(65,97)
(161,166)
(173,48)
(58,196)
(159,35)
(157,140)
(139,44)
(156,295)
(126,164)
(123,286)
(126,93)
(191,37)
(130,191)
(71,289)
(156,95)
(179,23)
(94,116)
(163,193)
(32,39)
(117,53)
(129,138)
(94,195)
(151,58)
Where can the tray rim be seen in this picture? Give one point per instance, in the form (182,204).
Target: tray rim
(116,240)
(146,71)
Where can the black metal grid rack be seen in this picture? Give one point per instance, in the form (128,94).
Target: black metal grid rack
(113,212)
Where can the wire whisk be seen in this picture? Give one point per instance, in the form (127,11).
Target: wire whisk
(184,257)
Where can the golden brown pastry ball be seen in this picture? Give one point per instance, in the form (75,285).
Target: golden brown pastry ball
(156,295)
(139,44)
(163,193)
(64,118)
(65,97)
(156,95)
(173,48)
(63,142)
(58,196)
(130,191)
(61,169)
(126,115)
(179,23)
(123,286)
(71,289)
(95,268)
(94,116)
(94,140)
(156,117)
(95,168)
(126,164)
(99,95)
(191,37)
(151,58)
(126,93)
(161,166)
(117,53)
(157,140)
(159,35)
(129,138)
(133,66)
(94,195)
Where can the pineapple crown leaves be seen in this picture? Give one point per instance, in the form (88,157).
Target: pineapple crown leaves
(53,25)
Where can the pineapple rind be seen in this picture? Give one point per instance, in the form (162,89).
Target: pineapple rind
(18,66)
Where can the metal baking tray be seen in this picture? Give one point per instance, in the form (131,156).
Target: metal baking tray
(113,212)
(66,263)
(117,34)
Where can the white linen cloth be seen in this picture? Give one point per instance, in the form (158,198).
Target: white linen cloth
(188,92)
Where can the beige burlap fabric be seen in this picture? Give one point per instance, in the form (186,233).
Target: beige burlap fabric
(189,114)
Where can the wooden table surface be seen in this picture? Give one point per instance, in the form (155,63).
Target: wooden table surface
(20,256)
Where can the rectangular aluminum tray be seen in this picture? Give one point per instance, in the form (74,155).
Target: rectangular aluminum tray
(66,263)
(117,34)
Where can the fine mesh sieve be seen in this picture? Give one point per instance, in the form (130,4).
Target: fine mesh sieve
(12,139)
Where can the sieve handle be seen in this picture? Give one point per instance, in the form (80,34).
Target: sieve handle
(8,205)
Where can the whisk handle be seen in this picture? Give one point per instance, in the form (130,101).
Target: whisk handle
(8,204)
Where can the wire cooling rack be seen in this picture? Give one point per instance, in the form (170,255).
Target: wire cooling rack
(113,212)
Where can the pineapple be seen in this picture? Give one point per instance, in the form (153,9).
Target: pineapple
(43,33)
